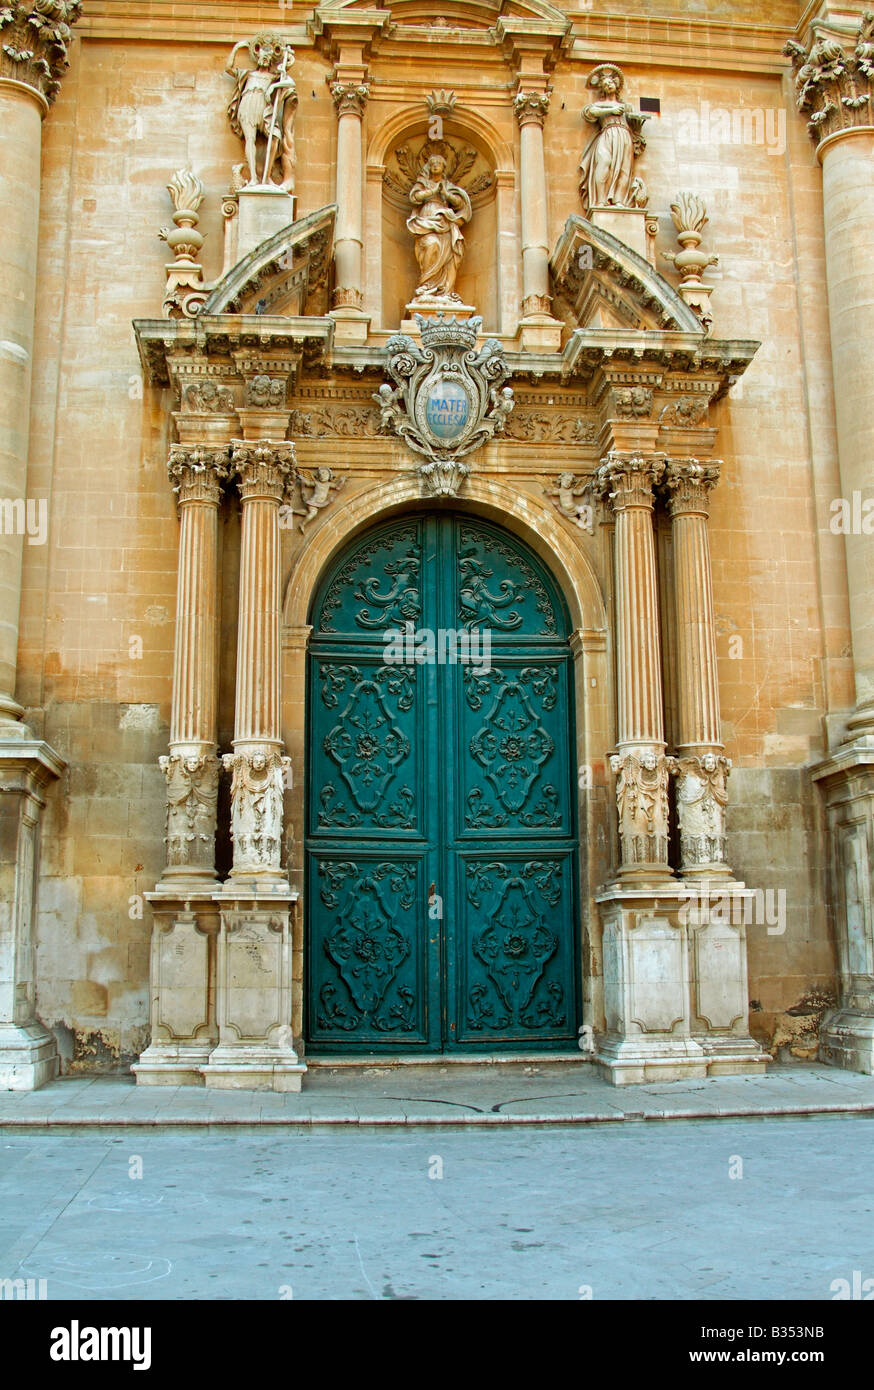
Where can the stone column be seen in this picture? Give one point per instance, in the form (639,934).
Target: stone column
(33,56)
(183,950)
(701,768)
(539,330)
(350,97)
(626,481)
(834,92)
(192,767)
(254,983)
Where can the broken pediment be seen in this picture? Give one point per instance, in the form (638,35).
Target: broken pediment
(606,284)
(287,274)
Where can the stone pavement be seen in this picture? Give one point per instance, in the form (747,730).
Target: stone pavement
(687,1210)
(536,1093)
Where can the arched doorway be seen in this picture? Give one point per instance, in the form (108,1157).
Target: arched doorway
(441,838)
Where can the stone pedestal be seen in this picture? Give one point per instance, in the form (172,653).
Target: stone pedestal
(182,976)
(675,984)
(628,225)
(255,1050)
(263,211)
(28,1052)
(434,309)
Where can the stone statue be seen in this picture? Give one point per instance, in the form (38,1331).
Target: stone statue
(642,803)
(264,104)
(440,209)
(565,495)
(192,788)
(321,483)
(607,176)
(701,801)
(256,806)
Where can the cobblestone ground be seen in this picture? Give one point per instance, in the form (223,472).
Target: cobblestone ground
(762,1209)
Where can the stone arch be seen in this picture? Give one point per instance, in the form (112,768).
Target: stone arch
(563,552)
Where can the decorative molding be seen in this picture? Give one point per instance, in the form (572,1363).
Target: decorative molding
(688,484)
(627,480)
(685,412)
(263,469)
(531,106)
(447,398)
(257,788)
(642,803)
(264,393)
(186,290)
(632,402)
(35,36)
(192,797)
(350,98)
(530,426)
(208,398)
(832,85)
(346,422)
(701,801)
(197,473)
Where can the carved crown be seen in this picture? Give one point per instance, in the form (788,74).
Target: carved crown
(443,332)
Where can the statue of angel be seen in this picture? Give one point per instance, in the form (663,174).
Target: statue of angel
(321,484)
(264,104)
(566,494)
(607,166)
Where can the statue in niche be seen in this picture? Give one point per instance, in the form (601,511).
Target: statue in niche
(607,177)
(264,104)
(440,210)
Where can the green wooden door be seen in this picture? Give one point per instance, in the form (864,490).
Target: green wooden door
(441,835)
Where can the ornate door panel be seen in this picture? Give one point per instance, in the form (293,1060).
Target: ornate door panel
(441,838)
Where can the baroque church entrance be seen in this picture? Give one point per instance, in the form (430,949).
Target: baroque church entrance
(441,826)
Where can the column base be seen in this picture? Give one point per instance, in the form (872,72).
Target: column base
(632,1061)
(28,1056)
(172,1064)
(248,1067)
(539,333)
(351,327)
(847,1041)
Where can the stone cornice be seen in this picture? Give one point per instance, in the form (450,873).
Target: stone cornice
(35,36)
(159,340)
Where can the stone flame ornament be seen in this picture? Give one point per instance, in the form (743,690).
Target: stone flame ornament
(448,397)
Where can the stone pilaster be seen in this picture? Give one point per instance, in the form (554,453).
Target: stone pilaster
(350,92)
(833,87)
(34,39)
(539,331)
(700,768)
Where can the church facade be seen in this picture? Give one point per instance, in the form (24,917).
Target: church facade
(436,500)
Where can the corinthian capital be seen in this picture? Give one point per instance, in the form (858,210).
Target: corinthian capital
(197,473)
(627,480)
(688,483)
(34,38)
(350,97)
(531,106)
(833,78)
(263,469)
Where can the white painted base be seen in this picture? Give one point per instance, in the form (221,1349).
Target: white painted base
(28,1056)
(847,1041)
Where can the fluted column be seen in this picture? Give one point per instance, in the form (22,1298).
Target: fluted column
(33,45)
(626,481)
(701,769)
(33,56)
(192,766)
(348,299)
(264,471)
(531,105)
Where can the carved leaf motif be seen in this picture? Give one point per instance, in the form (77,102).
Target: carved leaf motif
(512,746)
(366,745)
(515,948)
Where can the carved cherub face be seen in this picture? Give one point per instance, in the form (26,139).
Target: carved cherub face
(708,762)
(324,475)
(259,762)
(565,479)
(648,760)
